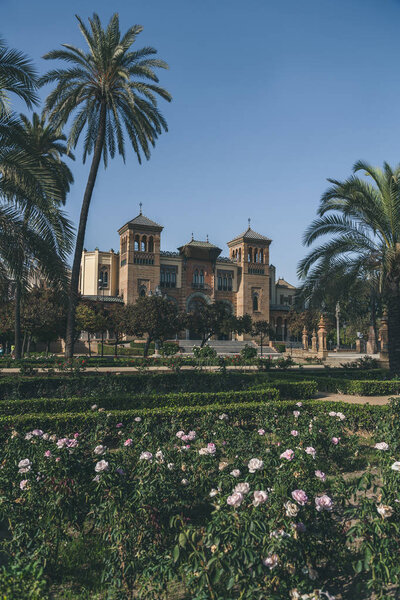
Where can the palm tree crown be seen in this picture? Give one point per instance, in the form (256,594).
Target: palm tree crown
(17,76)
(111,77)
(364,220)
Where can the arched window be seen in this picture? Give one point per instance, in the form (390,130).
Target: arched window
(240,255)
(229,284)
(151,244)
(255,303)
(196,277)
(261,255)
(142,292)
(250,255)
(255,255)
(219,282)
(202,278)
(143,244)
(136,245)
(225,283)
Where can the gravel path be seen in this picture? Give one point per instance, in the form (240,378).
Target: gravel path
(375,400)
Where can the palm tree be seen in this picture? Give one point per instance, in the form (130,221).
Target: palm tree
(35,235)
(108,91)
(17,76)
(364,219)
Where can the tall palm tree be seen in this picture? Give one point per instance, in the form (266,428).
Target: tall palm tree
(364,219)
(108,91)
(17,76)
(35,235)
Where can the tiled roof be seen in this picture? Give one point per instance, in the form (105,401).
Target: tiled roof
(250,235)
(200,244)
(142,220)
(282,283)
(168,253)
(225,259)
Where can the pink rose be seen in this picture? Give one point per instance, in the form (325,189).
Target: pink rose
(296,414)
(310,450)
(271,561)
(128,442)
(261,432)
(118,425)
(235,499)
(320,475)
(300,497)
(288,454)
(323,503)
(47,454)
(335,440)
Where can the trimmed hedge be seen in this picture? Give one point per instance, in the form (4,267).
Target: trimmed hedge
(250,414)
(138,401)
(358,387)
(67,384)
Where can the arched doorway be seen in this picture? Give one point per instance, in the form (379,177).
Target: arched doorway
(194,303)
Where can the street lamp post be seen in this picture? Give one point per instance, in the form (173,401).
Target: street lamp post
(337,312)
(102,286)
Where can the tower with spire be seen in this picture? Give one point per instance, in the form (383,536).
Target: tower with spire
(250,250)
(139,257)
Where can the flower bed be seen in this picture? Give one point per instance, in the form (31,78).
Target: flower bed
(247,502)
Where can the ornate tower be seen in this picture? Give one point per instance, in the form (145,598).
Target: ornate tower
(251,251)
(140,258)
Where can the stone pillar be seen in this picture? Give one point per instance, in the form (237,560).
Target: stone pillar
(314,341)
(358,346)
(322,351)
(371,343)
(305,338)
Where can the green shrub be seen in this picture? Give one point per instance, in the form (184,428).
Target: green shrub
(206,352)
(22,583)
(281,348)
(248,352)
(169,348)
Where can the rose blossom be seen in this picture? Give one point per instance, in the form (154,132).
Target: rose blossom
(184,482)
(300,496)
(255,464)
(323,503)
(222,465)
(47,454)
(28,436)
(235,499)
(146,456)
(294,432)
(128,442)
(341,416)
(24,465)
(61,443)
(395,466)
(223,417)
(335,440)
(311,451)
(179,434)
(235,473)
(332,413)
(320,475)
(99,450)
(118,425)
(159,456)
(382,446)
(271,561)
(23,484)
(296,414)
(37,432)
(259,497)
(94,407)
(291,509)
(299,404)
(242,488)
(170,466)
(191,436)
(137,419)
(288,454)
(384,510)
(101,466)
(213,493)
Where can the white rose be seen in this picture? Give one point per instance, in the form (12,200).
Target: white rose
(291,509)
(99,450)
(255,464)
(101,466)
(235,473)
(24,465)
(384,510)
(382,446)
(213,493)
(395,466)
(146,456)
(260,497)
(235,499)
(243,488)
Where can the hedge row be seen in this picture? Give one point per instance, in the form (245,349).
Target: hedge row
(137,383)
(359,388)
(249,413)
(134,402)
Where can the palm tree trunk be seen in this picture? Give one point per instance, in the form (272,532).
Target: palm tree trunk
(17,320)
(394,329)
(80,238)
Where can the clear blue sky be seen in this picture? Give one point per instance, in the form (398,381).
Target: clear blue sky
(271,97)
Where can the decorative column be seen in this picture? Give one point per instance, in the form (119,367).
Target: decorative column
(305,338)
(314,342)
(322,351)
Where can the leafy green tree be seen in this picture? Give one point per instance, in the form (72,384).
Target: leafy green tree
(210,319)
(154,317)
(117,322)
(89,320)
(17,76)
(261,329)
(106,90)
(43,316)
(363,219)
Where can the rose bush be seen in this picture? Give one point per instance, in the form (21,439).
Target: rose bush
(210,505)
